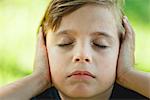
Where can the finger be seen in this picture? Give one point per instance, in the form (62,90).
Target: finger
(41,40)
(41,63)
(129,40)
(129,33)
(41,57)
(41,48)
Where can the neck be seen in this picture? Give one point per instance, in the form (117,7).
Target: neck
(102,96)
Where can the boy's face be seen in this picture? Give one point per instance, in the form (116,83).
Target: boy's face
(83,52)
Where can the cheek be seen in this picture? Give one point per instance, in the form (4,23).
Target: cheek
(107,68)
(107,64)
(57,65)
(56,68)
(54,60)
(110,58)
(107,73)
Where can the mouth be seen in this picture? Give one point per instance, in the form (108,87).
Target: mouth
(81,74)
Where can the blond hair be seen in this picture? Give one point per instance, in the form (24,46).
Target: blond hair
(59,8)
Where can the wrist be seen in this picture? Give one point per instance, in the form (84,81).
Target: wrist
(41,81)
(123,78)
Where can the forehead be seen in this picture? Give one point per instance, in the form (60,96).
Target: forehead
(88,19)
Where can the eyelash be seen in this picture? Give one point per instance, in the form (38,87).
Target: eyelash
(64,45)
(100,46)
(97,45)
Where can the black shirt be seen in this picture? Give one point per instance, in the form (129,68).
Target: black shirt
(118,92)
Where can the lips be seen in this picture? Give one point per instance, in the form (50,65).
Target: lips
(81,73)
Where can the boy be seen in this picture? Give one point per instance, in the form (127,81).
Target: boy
(83,47)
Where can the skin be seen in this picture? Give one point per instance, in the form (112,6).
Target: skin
(83,54)
(40,79)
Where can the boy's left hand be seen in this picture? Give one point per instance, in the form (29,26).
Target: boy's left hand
(126,55)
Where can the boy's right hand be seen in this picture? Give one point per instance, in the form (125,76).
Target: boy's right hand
(41,63)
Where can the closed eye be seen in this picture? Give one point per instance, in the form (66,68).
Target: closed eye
(100,46)
(65,44)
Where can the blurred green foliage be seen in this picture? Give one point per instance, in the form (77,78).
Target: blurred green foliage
(19,20)
(138,10)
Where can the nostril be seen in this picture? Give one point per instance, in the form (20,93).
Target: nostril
(83,60)
(87,60)
(77,59)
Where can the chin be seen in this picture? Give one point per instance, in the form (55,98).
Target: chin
(79,95)
(80,91)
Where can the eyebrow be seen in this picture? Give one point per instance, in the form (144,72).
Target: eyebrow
(97,33)
(101,33)
(65,32)
(104,34)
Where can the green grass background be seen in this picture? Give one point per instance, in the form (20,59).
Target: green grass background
(19,20)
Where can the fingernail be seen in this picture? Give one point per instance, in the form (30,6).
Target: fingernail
(126,18)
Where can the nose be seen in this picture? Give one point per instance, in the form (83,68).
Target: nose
(82,56)
(81,59)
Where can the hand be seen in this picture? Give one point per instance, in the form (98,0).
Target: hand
(41,63)
(126,55)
